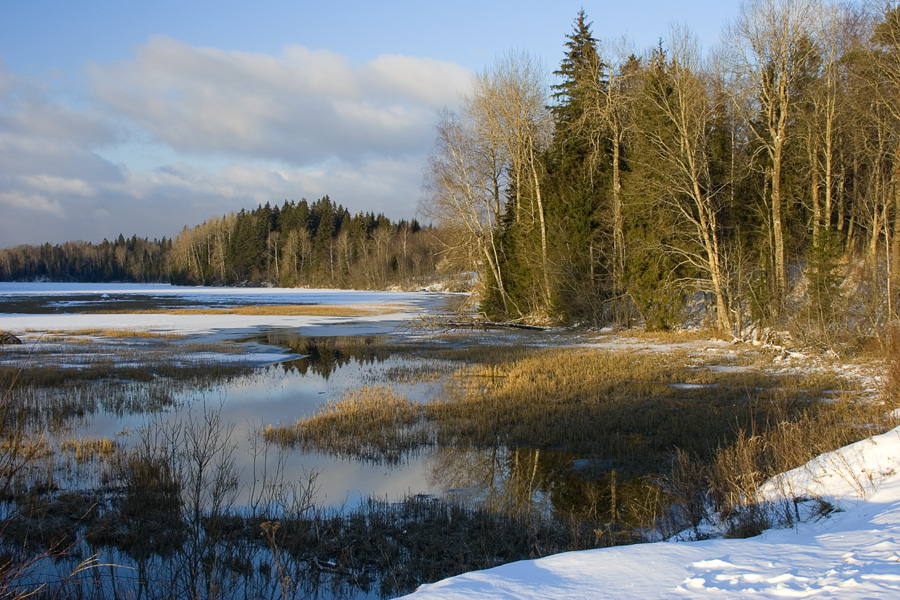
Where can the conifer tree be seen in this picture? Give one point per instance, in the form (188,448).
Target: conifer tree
(576,180)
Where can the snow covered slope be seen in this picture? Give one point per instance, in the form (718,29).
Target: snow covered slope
(852,553)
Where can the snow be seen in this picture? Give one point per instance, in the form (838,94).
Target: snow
(853,553)
(407,304)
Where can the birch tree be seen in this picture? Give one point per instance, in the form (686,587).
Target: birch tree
(769,45)
(678,151)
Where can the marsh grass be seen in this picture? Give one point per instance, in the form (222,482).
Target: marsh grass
(739,470)
(373,423)
(627,414)
(625,406)
(632,408)
(89,335)
(87,449)
(674,336)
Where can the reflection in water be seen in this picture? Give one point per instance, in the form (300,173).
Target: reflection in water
(198,504)
(500,479)
(322,356)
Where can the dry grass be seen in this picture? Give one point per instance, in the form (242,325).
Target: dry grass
(740,469)
(627,407)
(88,449)
(73,335)
(370,422)
(280,310)
(679,336)
(891,388)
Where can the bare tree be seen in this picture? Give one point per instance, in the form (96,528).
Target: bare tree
(490,149)
(464,191)
(885,83)
(513,99)
(770,45)
(679,153)
(607,121)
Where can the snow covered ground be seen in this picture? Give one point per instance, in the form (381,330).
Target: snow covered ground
(65,297)
(853,553)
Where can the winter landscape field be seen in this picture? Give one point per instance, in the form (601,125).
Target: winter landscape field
(826,527)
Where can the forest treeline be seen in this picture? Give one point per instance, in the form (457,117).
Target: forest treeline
(759,181)
(755,184)
(296,244)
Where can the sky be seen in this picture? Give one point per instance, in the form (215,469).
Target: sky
(142,118)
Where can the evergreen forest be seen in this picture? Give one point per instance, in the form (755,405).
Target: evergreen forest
(296,244)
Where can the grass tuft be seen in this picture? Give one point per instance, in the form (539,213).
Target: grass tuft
(370,422)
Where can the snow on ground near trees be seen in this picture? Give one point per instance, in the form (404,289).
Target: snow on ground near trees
(399,307)
(853,553)
(408,306)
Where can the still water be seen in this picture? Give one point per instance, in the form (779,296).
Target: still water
(289,373)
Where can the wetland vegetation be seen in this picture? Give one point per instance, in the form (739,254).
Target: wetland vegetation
(526,450)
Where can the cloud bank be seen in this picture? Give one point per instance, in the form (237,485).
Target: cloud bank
(179,133)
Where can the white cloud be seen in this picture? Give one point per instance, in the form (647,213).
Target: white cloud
(51,184)
(39,203)
(431,82)
(180,134)
(303,106)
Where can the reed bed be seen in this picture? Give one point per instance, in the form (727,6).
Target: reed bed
(630,407)
(373,423)
(71,336)
(88,449)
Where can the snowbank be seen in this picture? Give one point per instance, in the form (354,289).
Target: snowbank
(852,553)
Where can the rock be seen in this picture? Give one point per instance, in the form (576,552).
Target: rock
(7,338)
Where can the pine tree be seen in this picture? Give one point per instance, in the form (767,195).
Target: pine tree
(575,181)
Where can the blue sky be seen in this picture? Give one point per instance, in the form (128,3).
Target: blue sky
(143,117)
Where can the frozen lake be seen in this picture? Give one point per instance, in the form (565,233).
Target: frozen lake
(296,363)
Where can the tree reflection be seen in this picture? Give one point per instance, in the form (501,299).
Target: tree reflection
(323,356)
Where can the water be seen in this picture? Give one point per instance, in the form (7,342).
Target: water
(333,358)
(233,375)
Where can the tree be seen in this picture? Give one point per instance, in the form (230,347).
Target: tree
(675,129)
(886,86)
(577,167)
(606,121)
(770,45)
(513,99)
(466,177)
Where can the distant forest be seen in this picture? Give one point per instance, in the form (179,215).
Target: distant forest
(757,185)
(296,244)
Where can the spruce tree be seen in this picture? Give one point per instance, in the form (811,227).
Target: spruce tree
(574,180)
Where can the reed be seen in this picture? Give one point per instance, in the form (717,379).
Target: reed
(87,449)
(370,422)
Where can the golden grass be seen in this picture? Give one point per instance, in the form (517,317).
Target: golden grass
(678,336)
(129,333)
(619,404)
(61,335)
(87,449)
(369,422)
(623,405)
(280,310)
